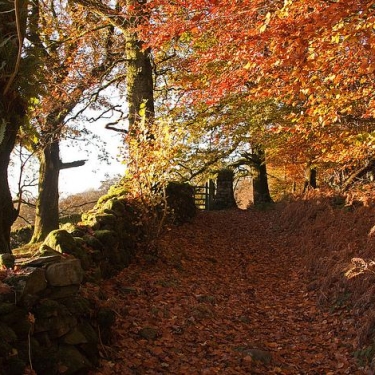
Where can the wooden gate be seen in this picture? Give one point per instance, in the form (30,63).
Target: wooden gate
(204,195)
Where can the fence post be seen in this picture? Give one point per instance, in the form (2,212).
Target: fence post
(211,193)
(206,197)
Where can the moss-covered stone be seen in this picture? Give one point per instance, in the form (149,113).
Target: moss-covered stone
(80,335)
(46,251)
(65,273)
(110,241)
(83,255)
(74,361)
(88,218)
(109,238)
(74,337)
(116,206)
(61,241)
(26,251)
(48,308)
(93,242)
(114,192)
(89,332)
(77,306)
(56,326)
(105,221)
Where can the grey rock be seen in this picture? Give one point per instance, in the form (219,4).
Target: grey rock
(30,280)
(67,272)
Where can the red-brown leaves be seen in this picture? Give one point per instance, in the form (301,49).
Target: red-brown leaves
(227,295)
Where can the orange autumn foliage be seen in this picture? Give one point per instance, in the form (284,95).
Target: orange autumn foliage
(315,57)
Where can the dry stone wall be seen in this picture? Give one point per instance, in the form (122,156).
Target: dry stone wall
(45,322)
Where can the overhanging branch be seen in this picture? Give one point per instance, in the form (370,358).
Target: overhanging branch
(73,164)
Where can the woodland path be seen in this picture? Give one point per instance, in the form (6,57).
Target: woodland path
(226,295)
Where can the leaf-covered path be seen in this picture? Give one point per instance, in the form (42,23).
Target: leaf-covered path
(226,295)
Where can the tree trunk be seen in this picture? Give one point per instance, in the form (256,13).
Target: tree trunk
(8,213)
(47,205)
(139,77)
(310,179)
(260,180)
(12,106)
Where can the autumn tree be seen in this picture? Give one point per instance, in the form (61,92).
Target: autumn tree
(137,83)
(75,53)
(125,17)
(17,79)
(314,56)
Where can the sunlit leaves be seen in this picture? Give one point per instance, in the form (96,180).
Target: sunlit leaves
(315,56)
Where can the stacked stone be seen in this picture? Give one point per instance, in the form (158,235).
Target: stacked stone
(45,323)
(43,319)
(224,197)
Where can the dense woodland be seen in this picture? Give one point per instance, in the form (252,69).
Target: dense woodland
(278,91)
(283,86)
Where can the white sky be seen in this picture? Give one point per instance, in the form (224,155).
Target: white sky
(91,175)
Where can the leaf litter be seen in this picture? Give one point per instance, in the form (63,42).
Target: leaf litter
(227,294)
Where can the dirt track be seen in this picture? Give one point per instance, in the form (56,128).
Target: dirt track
(226,295)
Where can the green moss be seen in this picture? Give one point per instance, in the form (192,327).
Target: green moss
(93,242)
(116,206)
(108,238)
(105,220)
(60,240)
(114,191)
(26,250)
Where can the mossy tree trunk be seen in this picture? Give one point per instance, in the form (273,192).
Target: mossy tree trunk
(47,206)
(13,106)
(139,75)
(8,214)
